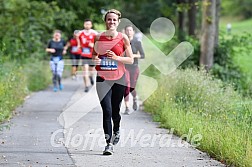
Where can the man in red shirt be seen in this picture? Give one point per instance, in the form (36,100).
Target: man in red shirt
(86,43)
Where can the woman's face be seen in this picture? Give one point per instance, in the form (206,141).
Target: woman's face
(112,21)
(129,32)
(75,34)
(57,35)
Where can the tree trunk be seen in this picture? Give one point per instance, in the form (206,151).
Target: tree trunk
(181,21)
(208,33)
(192,17)
(217,18)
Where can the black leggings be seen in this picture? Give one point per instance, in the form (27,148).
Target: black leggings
(110,94)
(56,78)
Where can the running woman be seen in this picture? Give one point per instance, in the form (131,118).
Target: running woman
(86,43)
(109,58)
(74,53)
(132,70)
(57,48)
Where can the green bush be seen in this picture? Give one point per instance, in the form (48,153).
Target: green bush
(193,60)
(34,25)
(231,60)
(17,81)
(194,99)
(38,74)
(12,89)
(228,64)
(17,78)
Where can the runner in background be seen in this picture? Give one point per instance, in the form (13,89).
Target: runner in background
(86,43)
(138,35)
(132,70)
(57,48)
(74,53)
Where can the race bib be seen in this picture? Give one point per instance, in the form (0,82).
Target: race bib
(108,64)
(86,51)
(74,49)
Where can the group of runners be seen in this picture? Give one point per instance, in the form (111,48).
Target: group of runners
(114,55)
(80,47)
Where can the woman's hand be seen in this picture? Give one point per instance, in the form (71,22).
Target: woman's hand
(111,55)
(50,50)
(96,60)
(136,55)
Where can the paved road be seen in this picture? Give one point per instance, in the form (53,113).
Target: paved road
(27,141)
(36,136)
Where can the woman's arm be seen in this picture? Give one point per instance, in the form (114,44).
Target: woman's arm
(78,39)
(129,59)
(140,49)
(140,53)
(49,49)
(95,57)
(67,45)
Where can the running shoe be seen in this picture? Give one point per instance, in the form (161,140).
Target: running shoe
(61,87)
(55,89)
(86,89)
(108,149)
(127,111)
(74,77)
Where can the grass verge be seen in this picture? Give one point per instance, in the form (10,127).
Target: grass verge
(17,81)
(192,99)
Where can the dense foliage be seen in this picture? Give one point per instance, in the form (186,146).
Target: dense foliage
(237,8)
(27,25)
(230,60)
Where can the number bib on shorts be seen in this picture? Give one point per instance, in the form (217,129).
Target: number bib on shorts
(74,49)
(108,64)
(86,51)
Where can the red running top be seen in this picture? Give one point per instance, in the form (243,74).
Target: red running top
(85,39)
(117,46)
(73,46)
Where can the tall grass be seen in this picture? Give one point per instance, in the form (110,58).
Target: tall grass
(17,80)
(12,89)
(192,99)
(37,73)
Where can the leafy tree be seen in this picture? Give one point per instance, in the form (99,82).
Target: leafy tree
(82,9)
(141,12)
(237,8)
(26,25)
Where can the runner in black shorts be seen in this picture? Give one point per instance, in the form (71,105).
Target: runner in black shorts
(74,53)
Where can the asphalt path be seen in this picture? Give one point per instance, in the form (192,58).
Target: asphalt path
(65,129)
